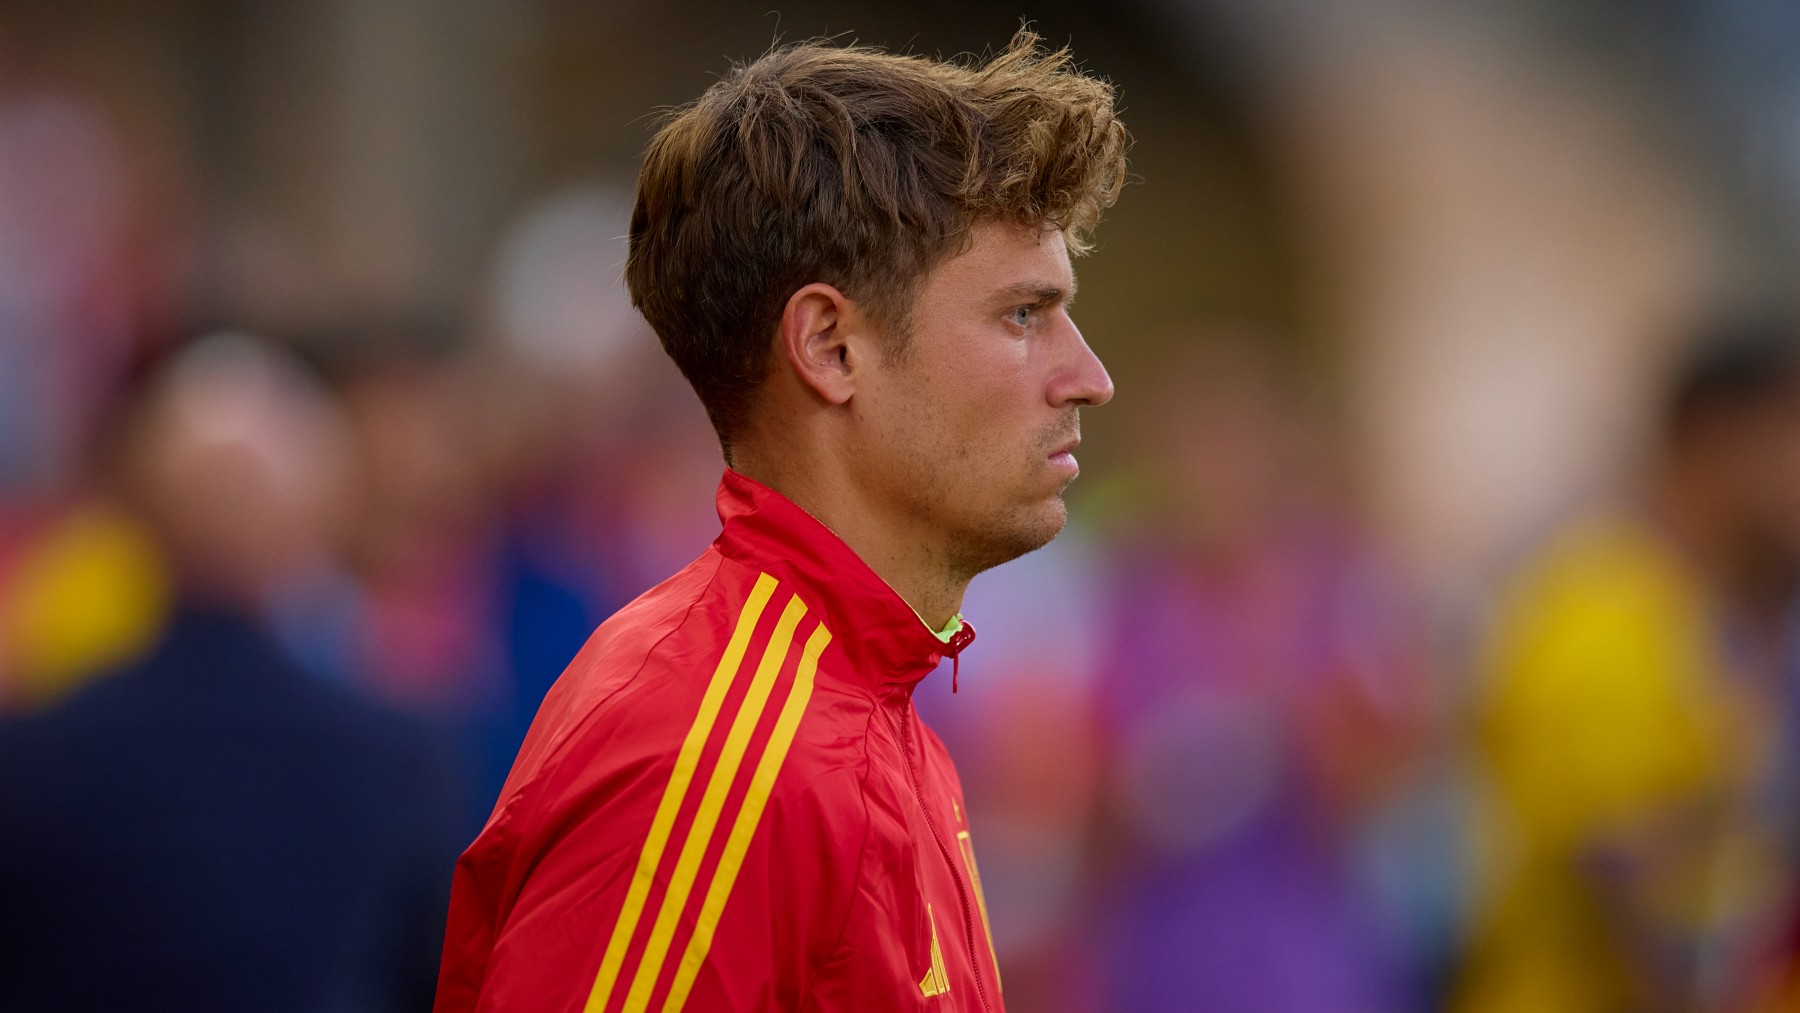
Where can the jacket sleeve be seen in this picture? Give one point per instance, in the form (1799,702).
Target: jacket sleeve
(624,896)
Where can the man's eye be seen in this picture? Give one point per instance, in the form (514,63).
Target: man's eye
(1021,316)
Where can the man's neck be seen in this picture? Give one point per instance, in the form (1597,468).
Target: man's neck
(904,553)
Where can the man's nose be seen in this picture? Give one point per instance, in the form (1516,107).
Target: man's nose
(1084,381)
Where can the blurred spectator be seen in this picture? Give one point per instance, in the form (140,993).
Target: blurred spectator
(563,336)
(64,292)
(1261,697)
(81,589)
(515,490)
(605,470)
(413,620)
(606,453)
(1637,710)
(209,828)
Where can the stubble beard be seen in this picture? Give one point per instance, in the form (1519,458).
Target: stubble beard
(972,553)
(1026,529)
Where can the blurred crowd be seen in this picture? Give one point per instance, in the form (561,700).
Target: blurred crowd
(278,602)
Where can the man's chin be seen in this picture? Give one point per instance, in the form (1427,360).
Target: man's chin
(1057,520)
(1008,540)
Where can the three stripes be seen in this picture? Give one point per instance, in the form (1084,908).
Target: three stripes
(701,832)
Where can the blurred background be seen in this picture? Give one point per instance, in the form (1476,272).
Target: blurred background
(1422,638)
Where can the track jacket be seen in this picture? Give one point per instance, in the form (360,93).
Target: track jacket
(728,802)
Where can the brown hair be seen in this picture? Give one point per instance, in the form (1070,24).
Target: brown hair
(857,168)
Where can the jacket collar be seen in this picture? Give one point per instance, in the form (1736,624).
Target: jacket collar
(879,632)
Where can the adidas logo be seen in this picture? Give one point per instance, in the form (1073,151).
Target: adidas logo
(937,980)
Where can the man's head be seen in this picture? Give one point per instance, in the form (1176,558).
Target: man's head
(239,459)
(1732,439)
(876,247)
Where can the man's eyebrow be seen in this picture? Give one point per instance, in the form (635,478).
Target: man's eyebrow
(1042,292)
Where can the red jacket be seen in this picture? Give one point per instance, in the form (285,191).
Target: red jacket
(728,802)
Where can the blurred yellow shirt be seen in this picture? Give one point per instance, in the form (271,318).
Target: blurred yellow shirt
(88,594)
(1622,752)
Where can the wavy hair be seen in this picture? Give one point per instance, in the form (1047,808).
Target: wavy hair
(857,168)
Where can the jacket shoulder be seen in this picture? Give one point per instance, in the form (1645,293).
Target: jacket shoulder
(691,749)
(641,644)
(720,658)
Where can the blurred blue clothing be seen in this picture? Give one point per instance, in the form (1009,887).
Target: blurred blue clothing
(548,608)
(212,829)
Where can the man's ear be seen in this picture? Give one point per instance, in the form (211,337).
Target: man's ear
(815,334)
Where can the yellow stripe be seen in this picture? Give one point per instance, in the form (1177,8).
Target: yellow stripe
(761,783)
(706,818)
(968,850)
(937,956)
(685,762)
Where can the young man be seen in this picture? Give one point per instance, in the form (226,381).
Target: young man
(861,263)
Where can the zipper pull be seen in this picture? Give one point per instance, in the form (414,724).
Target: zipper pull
(962,638)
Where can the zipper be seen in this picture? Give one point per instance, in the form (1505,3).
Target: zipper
(962,891)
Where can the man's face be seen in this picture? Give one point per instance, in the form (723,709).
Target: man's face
(1767,458)
(971,430)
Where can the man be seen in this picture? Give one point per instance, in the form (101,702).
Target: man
(211,828)
(1635,715)
(861,263)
